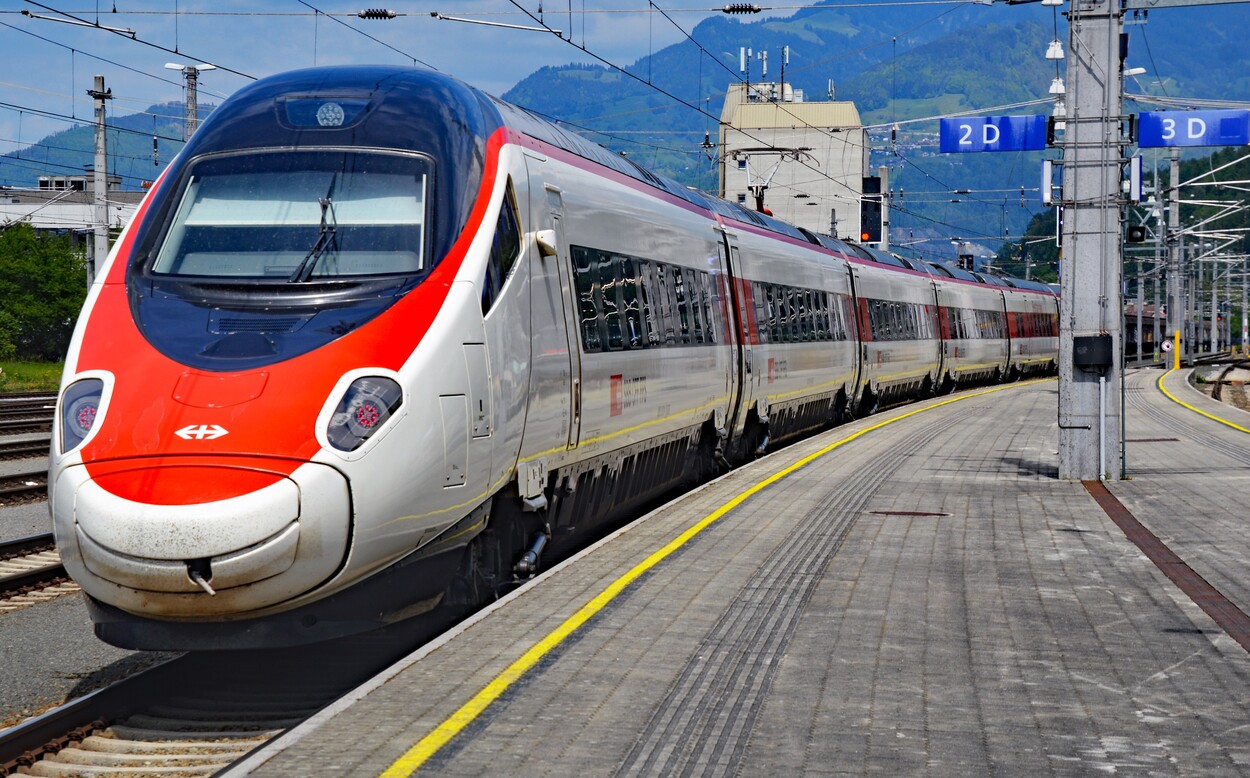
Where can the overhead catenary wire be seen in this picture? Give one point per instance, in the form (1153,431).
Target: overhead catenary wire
(84,122)
(333,18)
(102,59)
(141,41)
(665,92)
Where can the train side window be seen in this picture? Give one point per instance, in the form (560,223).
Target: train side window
(635,337)
(587,311)
(783,315)
(694,295)
(664,305)
(609,303)
(708,282)
(760,297)
(683,308)
(777,320)
(808,315)
(774,326)
(504,250)
(821,301)
(794,299)
(801,316)
(650,301)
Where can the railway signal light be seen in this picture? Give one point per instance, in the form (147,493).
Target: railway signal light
(870,211)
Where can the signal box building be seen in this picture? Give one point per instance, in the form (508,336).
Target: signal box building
(806,160)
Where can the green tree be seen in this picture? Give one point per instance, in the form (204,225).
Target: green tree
(43,283)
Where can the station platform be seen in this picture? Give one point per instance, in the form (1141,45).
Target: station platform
(914,593)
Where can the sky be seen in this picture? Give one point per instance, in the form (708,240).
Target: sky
(49,65)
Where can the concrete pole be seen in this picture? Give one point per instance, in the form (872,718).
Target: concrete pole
(1091,303)
(884,173)
(1176,286)
(193,116)
(100,180)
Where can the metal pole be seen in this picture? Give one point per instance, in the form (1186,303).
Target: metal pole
(1226,331)
(1245,324)
(1102,427)
(1176,289)
(100,180)
(1199,286)
(1159,270)
(1092,298)
(1215,307)
(1191,288)
(1141,302)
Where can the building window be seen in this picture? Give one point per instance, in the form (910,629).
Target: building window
(742,198)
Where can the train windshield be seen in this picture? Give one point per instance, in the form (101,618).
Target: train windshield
(299,216)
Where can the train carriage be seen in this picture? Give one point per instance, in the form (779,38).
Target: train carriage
(1032,310)
(899,340)
(973,326)
(798,335)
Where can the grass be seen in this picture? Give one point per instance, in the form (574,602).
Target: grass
(30,376)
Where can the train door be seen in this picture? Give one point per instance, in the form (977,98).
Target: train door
(863,332)
(553,415)
(564,265)
(739,362)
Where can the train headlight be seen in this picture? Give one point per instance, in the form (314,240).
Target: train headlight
(79,408)
(364,409)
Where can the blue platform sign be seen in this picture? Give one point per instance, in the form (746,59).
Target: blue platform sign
(1162,129)
(992,133)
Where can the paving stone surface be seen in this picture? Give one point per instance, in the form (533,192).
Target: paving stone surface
(926,599)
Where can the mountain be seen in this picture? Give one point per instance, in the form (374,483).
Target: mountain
(72,152)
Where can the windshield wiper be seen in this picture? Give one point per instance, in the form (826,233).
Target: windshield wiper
(327,241)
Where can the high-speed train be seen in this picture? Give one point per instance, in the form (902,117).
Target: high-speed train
(377,341)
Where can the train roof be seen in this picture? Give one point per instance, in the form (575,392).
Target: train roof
(535,126)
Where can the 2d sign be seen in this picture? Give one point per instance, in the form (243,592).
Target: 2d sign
(992,133)
(1161,129)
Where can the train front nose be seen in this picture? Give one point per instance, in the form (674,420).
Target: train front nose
(252,538)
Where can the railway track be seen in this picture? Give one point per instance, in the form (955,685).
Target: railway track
(196,714)
(31,572)
(20,397)
(1217,387)
(10,410)
(23,487)
(20,449)
(28,423)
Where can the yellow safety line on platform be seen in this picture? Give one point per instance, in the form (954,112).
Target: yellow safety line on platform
(429,745)
(1213,417)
